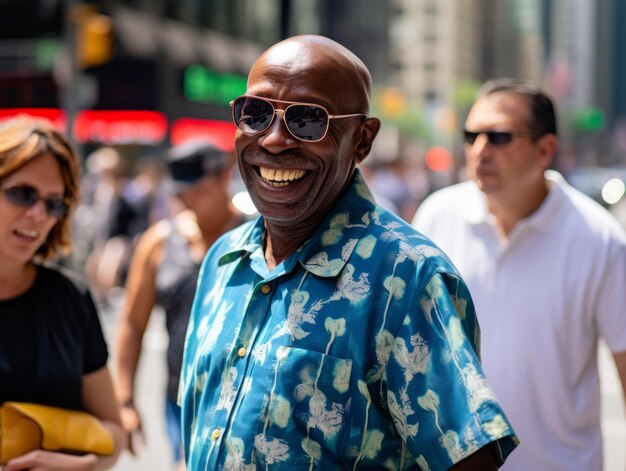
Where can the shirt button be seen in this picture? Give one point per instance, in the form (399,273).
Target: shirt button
(265,289)
(241,352)
(216,434)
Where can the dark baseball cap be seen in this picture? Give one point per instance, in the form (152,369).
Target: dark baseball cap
(189,162)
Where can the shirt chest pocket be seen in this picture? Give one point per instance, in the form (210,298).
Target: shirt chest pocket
(306,414)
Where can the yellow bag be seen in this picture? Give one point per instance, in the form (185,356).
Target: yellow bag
(25,427)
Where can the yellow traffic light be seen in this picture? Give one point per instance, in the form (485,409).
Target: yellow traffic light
(94,37)
(393,102)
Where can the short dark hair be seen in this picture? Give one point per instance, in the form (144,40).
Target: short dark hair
(542,119)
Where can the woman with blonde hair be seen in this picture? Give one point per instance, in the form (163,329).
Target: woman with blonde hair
(52,349)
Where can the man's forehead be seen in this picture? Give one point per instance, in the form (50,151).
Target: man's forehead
(498,105)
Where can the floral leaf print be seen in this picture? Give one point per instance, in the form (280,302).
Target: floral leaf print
(478,389)
(450,441)
(335,327)
(408,252)
(365,247)
(347,249)
(430,251)
(372,442)
(456,334)
(363,191)
(423,464)
(396,286)
(234,460)
(228,391)
(496,427)
(320,264)
(274,449)
(296,316)
(312,448)
(341,376)
(280,411)
(430,402)
(399,416)
(329,421)
(414,361)
(348,288)
(435,288)
(335,231)
(384,344)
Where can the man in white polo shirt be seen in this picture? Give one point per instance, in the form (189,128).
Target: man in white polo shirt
(546,267)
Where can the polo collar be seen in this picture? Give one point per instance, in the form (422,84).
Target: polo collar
(476,210)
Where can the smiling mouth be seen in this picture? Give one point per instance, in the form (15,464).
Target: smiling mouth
(27,233)
(280,178)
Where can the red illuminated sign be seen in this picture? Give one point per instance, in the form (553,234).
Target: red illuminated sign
(55,115)
(121,127)
(221,133)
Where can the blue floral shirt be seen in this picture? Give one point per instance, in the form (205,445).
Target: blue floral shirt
(359,351)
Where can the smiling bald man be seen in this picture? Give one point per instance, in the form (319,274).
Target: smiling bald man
(327,333)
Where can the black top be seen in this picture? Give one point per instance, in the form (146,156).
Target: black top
(175,285)
(50,337)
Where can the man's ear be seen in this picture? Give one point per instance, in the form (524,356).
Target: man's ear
(547,149)
(364,138)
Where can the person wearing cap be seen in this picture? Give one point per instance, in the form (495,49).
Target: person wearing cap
(164,269)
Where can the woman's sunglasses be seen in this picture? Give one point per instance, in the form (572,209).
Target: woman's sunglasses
(26,196)
(304,121)
(496,138)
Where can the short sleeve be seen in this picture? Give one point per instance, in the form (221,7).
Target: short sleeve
(437,394)
(611,301)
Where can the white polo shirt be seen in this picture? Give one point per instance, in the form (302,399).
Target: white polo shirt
(543,299)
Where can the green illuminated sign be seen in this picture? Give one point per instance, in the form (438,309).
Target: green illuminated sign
(205,85)
(589,118)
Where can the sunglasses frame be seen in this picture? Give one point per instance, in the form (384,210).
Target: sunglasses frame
(49,203)
(282,112)
(491,133)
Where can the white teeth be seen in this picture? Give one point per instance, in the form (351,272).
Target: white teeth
(280,178)
(27,233)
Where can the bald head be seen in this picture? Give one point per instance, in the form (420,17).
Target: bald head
(311,55)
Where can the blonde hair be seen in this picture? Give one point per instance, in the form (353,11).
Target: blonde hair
(23,139)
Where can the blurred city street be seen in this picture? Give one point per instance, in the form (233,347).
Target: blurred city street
(155,454)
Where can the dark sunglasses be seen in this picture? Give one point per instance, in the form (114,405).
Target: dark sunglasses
(304,121)
(496,138)
(26,196)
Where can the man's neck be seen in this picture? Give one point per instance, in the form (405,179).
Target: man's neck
(509,209)
(280,243)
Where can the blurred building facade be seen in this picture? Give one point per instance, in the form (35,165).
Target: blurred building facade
(185,59)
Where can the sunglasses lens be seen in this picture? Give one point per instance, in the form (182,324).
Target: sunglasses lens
(22,195)
(252,115)
(307,122)
(56,207)
(470,137)
(499,138)
(27,196)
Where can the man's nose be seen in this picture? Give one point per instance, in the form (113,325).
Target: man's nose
(277,137)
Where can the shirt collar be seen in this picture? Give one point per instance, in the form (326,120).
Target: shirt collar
(546,215)
(331,244)
(477,211)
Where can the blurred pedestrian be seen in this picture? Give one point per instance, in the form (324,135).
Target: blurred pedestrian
(327,333)
(546,267)
(164,270)
(52,349)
